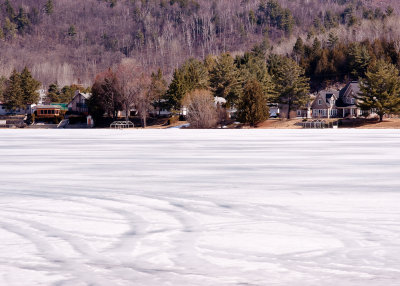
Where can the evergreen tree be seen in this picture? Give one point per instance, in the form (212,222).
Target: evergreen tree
(190,76)
(72,31)
(53,93)
(10,29)
(9,9)
(254,66)
(332,40)
(49,7)
(224,78)
(22,21)
(158,89)
(359,60)
(68,93)
(380,89)
(3,84)
(14,94)
(389,11)
(292,86)
(298,48)
(316,47)
(30,87)
(252,107)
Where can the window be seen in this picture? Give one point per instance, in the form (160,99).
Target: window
(299,113)
(352,101)
(319,101)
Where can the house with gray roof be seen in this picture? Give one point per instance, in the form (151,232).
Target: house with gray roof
(341,104)
(324,105)
(347,103)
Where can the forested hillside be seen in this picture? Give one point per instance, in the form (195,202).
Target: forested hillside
(70,41)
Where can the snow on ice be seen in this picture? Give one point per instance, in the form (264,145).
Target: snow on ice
(190,207)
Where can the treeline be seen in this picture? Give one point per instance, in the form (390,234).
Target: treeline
(247,83)
(332,61)
(71,41)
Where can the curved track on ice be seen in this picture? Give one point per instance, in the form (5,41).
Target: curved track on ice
(186,207)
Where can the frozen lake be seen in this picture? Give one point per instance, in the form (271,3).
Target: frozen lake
(189,207)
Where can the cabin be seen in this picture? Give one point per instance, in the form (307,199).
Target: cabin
(78,104)
(47,111)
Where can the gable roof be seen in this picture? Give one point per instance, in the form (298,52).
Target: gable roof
(326,96)
(351,86)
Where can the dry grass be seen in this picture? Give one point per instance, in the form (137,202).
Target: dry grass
(393,123)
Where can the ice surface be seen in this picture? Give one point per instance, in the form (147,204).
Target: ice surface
(190,207)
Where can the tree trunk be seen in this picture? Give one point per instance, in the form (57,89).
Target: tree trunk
(381,117)
(289,109)
(144,121)
(159,107)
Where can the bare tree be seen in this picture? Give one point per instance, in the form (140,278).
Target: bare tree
(201,109)
(129,76)
(144,98)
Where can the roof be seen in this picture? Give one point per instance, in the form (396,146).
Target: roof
(353,85)
(326,96)
(48,107)
(86,95)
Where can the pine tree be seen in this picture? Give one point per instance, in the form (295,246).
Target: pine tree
(53,93)
(22,21)
(3,83)
(291,85)
(316,47)
(389,11)
(49,7)
(190,76)
(9,9)
(158,89)
(224,78)
(252,107)
(72,31)
(253,66)
(10,29)
(332,40)
(298,48)
(14,94)
(359,60)
(30,87)
(380,89)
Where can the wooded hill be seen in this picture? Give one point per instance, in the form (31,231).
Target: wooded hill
(71,41)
